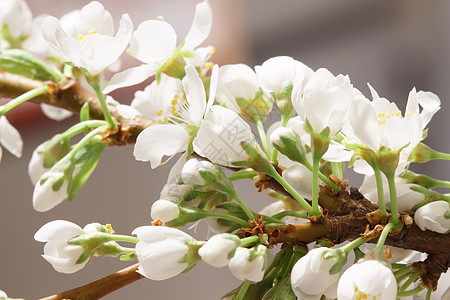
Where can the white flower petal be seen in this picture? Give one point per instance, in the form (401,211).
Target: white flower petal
(195,95)
(153,41)
(10,138)
(201,26)
(130,77)
(55,113)
(58,230)
(156,141)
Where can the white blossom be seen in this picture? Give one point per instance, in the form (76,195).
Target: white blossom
(164,210)
(324,101)
(61,255)
(173,136)
(220,136)
(367,279)
(219,249)
(10,138)
(92,45)
(17,15)
(432,217)
(311,276)
(155,41)
(276,72)
(160,251)
(244,269)
(190,173)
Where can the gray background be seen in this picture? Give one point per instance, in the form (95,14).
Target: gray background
(394,45)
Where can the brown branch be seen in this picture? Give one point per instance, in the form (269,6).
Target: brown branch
(101,287)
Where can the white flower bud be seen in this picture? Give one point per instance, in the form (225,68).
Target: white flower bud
(366,280)
(160,251)
(164,210)
(190,174)
(244,269)
(36,167)
(311,275)
(214,224)
(61,255)
(45,198)
(219,249)
(432,217)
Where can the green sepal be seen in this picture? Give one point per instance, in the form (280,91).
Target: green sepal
(320,142)
(387,160)
(191,257)
(84,112)
(54,150)
(258,159)
(84,256)
(341,257)
(21,62)
(284,102)
(293,148)
(256,109)
(11,41)
(187,214)
(358,254)
(174,66)
(128,257)
(83,175)
(188,54)
(110,249)
(60,172)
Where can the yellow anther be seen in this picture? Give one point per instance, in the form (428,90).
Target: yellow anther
(398,113)
(160,18)
(159,112)
(212,51)
(166,119)
(174,102)
(409,114)
(81,37)
(92,31)
(209,65)
(388,113)
(184,101)
(344,142)
(128,51)
(160,164)
(108,228)
(176,96)
(175,113)
(381,114)
(381,122)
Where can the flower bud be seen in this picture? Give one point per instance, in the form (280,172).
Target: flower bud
(57,251)
(190,173)
(289,143)
(164,210)
(162,252)
(311,275)
(366,280)
(219,249)
(432,217)
(36,167)
(45,197)
(249,264)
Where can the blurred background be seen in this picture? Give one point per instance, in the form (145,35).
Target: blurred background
(394,45)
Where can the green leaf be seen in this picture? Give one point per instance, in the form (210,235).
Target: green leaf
(80,179)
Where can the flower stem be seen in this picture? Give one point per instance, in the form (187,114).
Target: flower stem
(124,238)
(430,290)
(293,192)
(393,198)
(242,204)
(405,270)
(263,137)
(322,177)
(23,98)
(380,191)
(105,109)
(388,228)
(83,126)
(315,187)
(411,279)
(243,290)
(85,140)
(284,120)
(242,174)
(336,168)
(291,213)
(227,217)
(249,241)
(353,244)
(410,292)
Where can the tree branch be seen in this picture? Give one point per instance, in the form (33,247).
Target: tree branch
(101,287)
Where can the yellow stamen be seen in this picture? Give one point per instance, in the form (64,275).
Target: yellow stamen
(174,102)
(398,113)
(212,51)
(381,114)
(128,51)
(108,228)
(209,65)
(388,113)
(80,37)
(160,18)
(408,114)
(184,101)
(175,113)
(159,112)
(92,31)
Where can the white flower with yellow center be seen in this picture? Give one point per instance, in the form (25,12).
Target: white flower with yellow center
(155,44)
(92,46)
(178,128)
(367,280)
(380,123)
